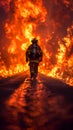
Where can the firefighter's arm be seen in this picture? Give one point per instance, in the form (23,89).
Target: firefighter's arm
(26,57)
(27,54)
(40,58)
(41,55)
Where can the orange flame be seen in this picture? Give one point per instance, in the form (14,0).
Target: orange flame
(21,27)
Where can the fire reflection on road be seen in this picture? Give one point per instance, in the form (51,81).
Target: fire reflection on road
(35,106)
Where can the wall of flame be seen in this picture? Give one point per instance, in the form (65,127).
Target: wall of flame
(51,22)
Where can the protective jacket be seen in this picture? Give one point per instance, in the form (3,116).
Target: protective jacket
(34,53)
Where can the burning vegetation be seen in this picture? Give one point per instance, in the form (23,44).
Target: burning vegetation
(51,22)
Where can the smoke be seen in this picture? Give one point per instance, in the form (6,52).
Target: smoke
(59,24)
(59,16)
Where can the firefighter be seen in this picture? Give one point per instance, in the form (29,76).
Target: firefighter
(34,56)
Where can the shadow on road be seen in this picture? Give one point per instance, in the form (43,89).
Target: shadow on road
(45,104)
(8,86)
(58,87)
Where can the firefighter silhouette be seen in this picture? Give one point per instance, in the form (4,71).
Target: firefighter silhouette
(34,57)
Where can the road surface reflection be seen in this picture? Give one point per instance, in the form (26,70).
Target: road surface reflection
(35,106)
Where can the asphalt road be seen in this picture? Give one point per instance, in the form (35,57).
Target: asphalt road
(46,104)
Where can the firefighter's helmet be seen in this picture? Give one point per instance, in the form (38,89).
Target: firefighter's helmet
(34,40)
